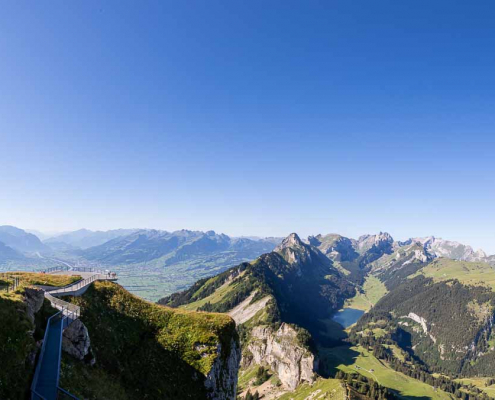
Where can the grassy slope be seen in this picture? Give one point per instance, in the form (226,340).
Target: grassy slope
(373,290)
(246,376)
(348,359)
(214,298)
(33,278)
(149,350)
(15,345)
(468,273)
(90,383)
(17,341)
(332,388)
(479,383)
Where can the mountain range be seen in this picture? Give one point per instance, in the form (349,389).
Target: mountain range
(427,326)
(84,238)
(366,318)
(20,240)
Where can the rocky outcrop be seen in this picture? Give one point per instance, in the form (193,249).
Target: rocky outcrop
(245,310)
(382,241)
(284,354)
(76,341)
(294,251)
(34,299)
(221,381)
(335,247)
(450,249)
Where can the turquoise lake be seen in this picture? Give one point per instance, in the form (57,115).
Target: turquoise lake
(347,316)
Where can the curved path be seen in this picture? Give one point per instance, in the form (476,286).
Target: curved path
(45,384)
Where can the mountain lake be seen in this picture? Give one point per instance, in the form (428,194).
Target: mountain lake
(347,316)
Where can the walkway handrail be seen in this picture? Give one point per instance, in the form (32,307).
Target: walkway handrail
(70,310)
(56,269)
(69,313)
(82,283)
(40,359)
(88,269)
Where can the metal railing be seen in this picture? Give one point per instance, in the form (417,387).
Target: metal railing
(68,313)
(89,269)
(84,282)
(13,282)
(56,269)
(64,394)
(34,394)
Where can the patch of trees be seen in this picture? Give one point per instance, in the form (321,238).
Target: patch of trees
(364,386)
(252,396)
(413,367)
(262,376)
(450,311)
(393,277)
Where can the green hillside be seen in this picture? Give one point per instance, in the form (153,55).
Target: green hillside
(19,334)
(149,351)
(467,273)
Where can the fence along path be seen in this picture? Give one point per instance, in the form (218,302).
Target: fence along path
(45,384)
(78,288)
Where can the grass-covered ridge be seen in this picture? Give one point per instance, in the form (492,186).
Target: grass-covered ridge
(467,273)
(151,350)
(34,278)
(18,336)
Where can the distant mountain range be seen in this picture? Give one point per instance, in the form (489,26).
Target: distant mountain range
(145,258)
(84,238)
(172,247)
(20,240)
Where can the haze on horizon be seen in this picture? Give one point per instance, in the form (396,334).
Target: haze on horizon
(250,118)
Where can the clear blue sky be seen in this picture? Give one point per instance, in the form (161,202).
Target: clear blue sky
(250,117)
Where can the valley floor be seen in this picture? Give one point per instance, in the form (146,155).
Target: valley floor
(358,360)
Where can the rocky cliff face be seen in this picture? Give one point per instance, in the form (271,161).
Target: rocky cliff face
(34,299)
(335,247)
(450,249)
(382,241)
(76,342)
(284,354)
(221,381)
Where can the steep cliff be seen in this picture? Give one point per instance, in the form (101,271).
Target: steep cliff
(283,352)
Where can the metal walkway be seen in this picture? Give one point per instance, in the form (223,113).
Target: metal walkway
(45,384)
(47,374)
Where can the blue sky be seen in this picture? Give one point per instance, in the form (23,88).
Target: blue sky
(250,118)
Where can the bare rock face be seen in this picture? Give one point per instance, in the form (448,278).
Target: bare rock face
(281,350)
(75,340)
(381,241)
(221,381)
(34,299)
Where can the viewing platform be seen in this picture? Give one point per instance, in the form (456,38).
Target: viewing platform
(89,276)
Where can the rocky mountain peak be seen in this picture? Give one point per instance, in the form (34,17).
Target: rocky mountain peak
(293,240)
(379,240)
